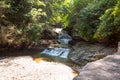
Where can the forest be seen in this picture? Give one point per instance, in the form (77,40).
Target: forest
(24,21)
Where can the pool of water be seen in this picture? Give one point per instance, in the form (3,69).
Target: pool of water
(67,62)
(37,57)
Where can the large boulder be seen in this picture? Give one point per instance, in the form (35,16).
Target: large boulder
(107,68)
(84,52)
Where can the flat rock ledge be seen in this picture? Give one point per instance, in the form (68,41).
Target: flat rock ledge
(84,52)
(107,68)
(25,68)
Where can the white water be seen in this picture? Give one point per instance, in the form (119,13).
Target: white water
(63,38)
(57,51)
(58,30)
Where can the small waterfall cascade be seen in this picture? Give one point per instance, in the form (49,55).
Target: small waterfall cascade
(64,38)
(60,51)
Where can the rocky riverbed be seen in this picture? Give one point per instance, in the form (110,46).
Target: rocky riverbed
(84,52)
(100,60)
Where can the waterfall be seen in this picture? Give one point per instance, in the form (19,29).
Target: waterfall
(63,38)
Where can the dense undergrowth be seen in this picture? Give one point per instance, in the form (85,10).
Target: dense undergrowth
(23,22)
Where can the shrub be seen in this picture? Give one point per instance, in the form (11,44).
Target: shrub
(88,18)
(109,28)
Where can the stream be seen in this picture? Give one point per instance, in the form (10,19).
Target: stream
(60,49)
(52,63)
(31,65)
(59,52)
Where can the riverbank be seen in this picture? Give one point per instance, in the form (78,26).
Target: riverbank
(84,52)
(100,62)
(30,65)
(107,68)
(27,68)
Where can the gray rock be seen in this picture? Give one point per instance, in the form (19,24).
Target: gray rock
(107,68)
(85,52)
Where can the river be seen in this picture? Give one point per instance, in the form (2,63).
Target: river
(30,65)
(45,64)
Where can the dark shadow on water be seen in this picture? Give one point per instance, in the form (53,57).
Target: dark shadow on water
(56,59)
(36,54)
(52,58)
(17,53)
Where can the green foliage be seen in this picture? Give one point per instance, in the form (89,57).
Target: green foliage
(24,20)
(31,17)
(23,12)
(36,14)
(109,28)
(88,18)
(57,12)
(73,16)
(3,8)
(33,32)
(11,35)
